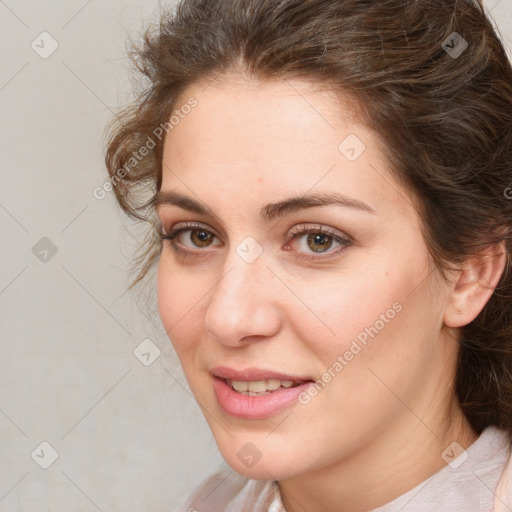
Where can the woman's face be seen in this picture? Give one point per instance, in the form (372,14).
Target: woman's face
(255,292)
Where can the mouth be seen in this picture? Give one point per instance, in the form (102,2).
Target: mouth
(261,387)
(256,394)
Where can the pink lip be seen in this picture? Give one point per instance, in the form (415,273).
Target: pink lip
(254,407)
(252,374)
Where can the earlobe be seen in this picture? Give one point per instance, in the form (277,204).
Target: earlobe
(474,285)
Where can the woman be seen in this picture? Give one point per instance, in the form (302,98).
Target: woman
(329,181)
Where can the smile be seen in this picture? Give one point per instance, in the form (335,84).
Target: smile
(260,387)
(256,394)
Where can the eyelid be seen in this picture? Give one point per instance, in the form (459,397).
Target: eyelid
(188,225)
(297,229)
(320,228)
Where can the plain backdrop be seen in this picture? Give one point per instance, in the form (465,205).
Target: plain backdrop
(95,413)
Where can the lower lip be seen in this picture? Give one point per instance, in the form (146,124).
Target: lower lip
(255,407)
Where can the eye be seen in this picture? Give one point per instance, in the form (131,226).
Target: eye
(317,239)
(199,237)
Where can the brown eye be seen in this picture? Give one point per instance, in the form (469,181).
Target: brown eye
(308,241)
(319,242)
(201,237)
(316,239)
(197,238)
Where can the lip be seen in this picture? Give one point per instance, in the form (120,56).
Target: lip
(252,374)
(254,407)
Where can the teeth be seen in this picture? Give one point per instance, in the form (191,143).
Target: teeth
(273,384)
(239,385)
(257,386)
(253,388)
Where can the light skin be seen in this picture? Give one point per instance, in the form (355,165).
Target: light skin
(379,427)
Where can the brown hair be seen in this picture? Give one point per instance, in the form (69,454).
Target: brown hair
(442,110)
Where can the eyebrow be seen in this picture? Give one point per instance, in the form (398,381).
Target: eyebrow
(270,211)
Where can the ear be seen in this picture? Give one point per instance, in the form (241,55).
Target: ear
(474,285)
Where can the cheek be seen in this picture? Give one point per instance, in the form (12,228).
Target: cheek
(364,316)
(344,308)
(179,305)
(385,328)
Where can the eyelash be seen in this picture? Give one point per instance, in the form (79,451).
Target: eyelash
(302,230)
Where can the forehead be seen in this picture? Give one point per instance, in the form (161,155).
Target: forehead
(292,111)
(251,139)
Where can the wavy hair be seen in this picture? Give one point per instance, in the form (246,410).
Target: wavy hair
(430,77)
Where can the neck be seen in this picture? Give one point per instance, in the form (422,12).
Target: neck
(395,461)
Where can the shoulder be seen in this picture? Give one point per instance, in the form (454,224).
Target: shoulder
(503,492)
(227,491)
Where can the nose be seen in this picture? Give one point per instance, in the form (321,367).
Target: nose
(244,304)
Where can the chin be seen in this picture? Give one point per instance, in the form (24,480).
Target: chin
(246,459)
(260,471)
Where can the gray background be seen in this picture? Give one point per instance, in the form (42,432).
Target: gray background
(128,434)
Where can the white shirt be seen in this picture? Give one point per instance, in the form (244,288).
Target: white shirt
(467,484)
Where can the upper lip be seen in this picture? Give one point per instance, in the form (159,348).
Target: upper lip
(253,374)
